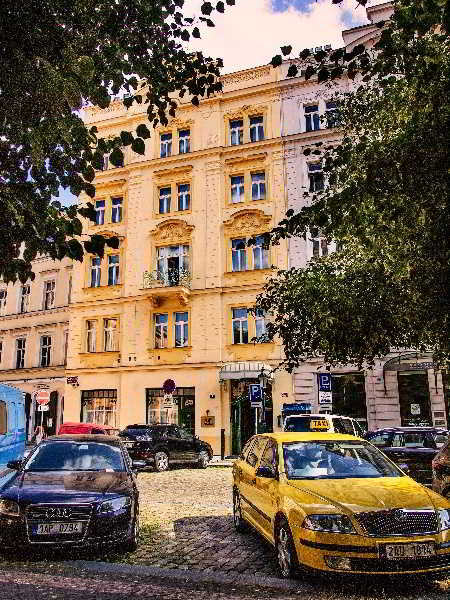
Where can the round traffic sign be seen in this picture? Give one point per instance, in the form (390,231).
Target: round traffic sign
(43,396)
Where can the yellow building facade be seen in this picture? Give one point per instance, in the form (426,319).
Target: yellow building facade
(172,303)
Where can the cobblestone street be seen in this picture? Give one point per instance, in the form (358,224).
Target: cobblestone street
(187,523)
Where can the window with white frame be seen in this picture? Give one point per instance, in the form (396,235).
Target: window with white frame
(320,247)
(165,197)
(161,322)
(95,271)
(260,325)
(239,254)
(24,298)
(113,269)
(166,144)
(237,189)
(236,132)
(99,212)
(20,353)
(256,128)
(240,325)
(181,329)
(172,264)
(260,253)
(184,140)
(184,196)
(3,297)
(315,176)
(49,294)
(45,351)
(331,113)
(91,336)
(259,186)
(110,335)
(312,117)
(116,209)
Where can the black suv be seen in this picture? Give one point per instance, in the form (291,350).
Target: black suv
(412,446)
(163,445)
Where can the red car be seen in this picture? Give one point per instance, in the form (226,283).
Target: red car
(87,428)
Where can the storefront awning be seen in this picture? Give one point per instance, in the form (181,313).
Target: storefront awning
(244,370)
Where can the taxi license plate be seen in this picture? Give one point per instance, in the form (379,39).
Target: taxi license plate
(414,550)
(57,528)
(318,424)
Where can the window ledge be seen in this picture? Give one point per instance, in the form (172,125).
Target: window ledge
(103,352)
(250,271)
(173,213)
(171,349)
(103,287)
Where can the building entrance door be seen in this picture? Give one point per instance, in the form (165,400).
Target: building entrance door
(243,416)
(349,396)
(414,397)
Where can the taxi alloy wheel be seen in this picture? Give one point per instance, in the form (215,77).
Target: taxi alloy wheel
(161,461)
(203,460)
(286,554)
(239,523)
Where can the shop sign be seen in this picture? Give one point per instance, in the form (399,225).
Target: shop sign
(417,366)
(325,397)
(415,409)
(208,421)
(72,380)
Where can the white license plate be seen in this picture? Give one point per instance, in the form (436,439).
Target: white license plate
(129,444)
(414,550)
(57,528)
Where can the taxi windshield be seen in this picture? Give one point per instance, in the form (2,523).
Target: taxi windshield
(335,460)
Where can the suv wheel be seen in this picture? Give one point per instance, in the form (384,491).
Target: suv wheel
(203,460)
(239,523)
(286,553)
(161,461)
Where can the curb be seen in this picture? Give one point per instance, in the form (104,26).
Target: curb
(196,576)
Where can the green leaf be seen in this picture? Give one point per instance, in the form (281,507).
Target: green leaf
(276,60)
(286,50)
(116,157)
(292,71)
(126,138)
(143,131)
(138,146)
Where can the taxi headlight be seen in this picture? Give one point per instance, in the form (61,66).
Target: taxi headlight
(114,505)
(444,519)
(329,523)
(9,507)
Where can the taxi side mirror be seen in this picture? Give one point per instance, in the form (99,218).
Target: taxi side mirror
(265,471)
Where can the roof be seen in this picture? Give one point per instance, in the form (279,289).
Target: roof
(81,437)
(411,429)
(309,436)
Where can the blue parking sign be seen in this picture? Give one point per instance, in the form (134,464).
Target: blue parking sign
(325,382)
(255,393)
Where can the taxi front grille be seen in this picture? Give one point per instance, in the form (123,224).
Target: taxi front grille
(398,522)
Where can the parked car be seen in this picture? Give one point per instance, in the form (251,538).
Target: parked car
(335,503)
(75,490)
(12,424)
(87,428)
(412,446)
(441,471)
(163,445)
(322,422)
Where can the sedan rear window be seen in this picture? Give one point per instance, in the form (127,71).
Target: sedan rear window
(335,460)
(76,456)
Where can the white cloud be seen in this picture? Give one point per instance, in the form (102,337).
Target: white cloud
(250,33)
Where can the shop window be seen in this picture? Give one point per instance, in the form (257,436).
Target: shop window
(99,406)
(178,410)
(349,396)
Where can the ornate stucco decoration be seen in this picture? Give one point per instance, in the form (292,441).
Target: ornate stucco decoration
(251,158)
(247,222)
(173,171)
(248,75)
(172,231)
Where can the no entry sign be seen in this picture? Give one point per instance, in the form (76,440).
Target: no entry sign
(43,396)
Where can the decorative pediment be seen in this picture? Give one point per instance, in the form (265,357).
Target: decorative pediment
(173,171)
(247,222)
(173,231)
(107,233)
(260,157)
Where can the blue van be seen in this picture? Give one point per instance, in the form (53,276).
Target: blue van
(12,425)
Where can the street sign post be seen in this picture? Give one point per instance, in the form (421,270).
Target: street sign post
(256,401)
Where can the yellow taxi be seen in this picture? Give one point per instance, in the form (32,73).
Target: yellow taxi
(334,502)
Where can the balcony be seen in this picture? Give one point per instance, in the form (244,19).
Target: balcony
(163,285)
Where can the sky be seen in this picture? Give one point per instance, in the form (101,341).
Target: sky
(251,32)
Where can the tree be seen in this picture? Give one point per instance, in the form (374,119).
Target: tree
(56,56)
(387,203)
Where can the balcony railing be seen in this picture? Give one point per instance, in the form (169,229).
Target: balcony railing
(170,278)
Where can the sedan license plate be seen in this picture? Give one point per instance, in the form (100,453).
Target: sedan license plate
(129,444)
(57,528)
(413,550)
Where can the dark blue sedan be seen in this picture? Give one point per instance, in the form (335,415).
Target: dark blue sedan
(72,490)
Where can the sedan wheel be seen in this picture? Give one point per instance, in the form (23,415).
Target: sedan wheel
(161,461)
(203,460)
(133,541)
(286,554)
(239,523)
